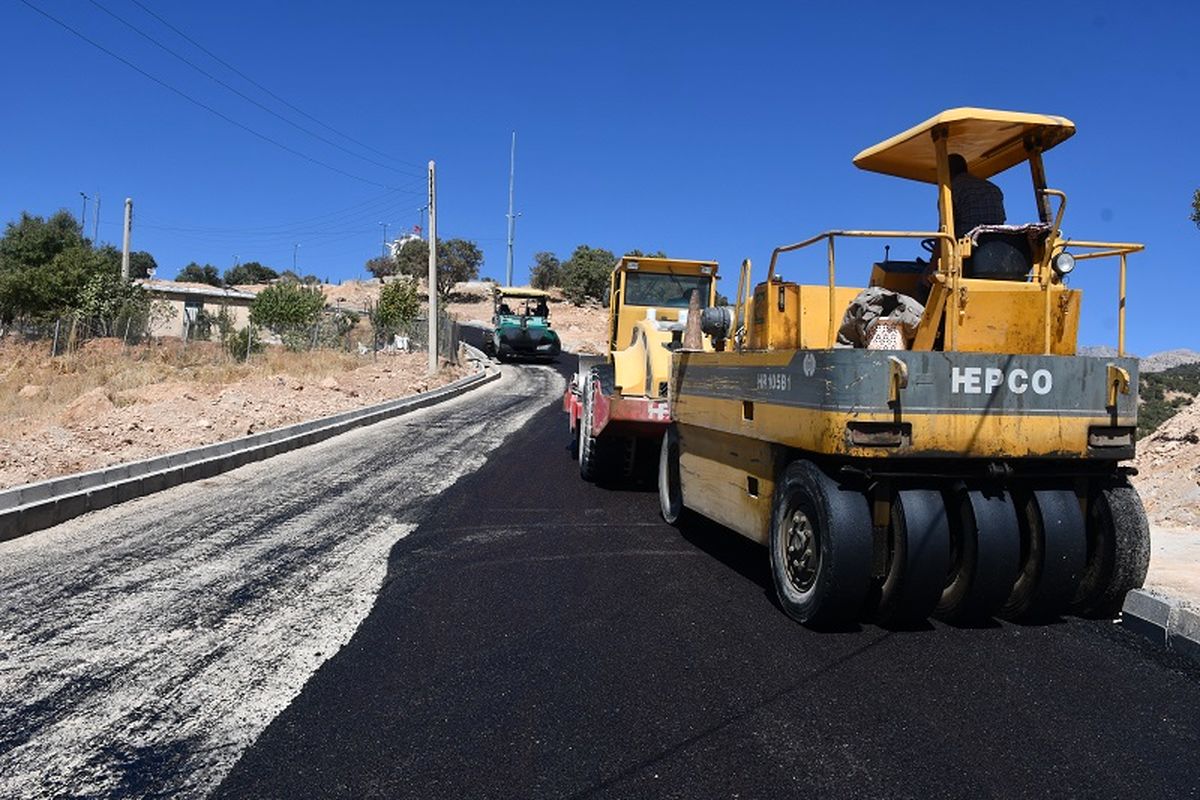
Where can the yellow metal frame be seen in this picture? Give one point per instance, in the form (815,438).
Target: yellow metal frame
(1107,250)
(1044,275)
(830,236)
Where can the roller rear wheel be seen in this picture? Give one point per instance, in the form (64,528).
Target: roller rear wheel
(985,555)
(1053,553)
(670,490)
(604,457)
(1118,551)
(919,557)
(820,547)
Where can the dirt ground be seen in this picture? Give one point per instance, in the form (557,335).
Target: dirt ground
(1168,480)
(104,405)
(1175,563)
(1168,466)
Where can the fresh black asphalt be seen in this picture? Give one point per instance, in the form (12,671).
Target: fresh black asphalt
(538,636)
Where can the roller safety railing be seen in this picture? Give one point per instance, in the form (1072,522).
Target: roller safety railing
(1107,250)
(953,274)
(830,236)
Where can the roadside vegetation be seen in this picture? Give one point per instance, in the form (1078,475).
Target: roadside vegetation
(458,261)
(583,277)
(1162,394)
(50,271)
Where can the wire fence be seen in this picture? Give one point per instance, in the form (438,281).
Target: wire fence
(345,331)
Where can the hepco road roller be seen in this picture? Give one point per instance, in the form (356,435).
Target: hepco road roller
(616,403)
(965,463)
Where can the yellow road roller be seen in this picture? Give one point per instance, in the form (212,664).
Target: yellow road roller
(616,403)
(932,443)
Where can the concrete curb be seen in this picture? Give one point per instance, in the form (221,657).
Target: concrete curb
(1163,620)
(28,508)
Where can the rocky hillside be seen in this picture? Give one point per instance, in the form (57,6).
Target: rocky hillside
(1168,359)
(1168,465)
(1152,363)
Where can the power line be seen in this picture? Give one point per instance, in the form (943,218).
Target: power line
(386,204)
(201,104)
(255,83)
(340,228)
(241,94)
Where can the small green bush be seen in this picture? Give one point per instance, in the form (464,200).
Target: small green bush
(241,344)
(399,304)
(287,307)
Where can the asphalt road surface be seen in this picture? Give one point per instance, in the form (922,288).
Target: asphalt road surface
(143,647)
(348,631)
(542,637)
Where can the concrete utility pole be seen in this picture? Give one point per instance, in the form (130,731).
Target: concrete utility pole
(83,216)
(96,223)
(433,304)
(125,238)
(512,220)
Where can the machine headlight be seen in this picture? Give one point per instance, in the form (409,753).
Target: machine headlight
(1063,263)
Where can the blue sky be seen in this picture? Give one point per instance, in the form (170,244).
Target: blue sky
(709,130)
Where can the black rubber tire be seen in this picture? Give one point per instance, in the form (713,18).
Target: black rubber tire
(1053,554)
(1118,549)
(602,458)
(840,521)
(985,554)
(574,434)
(590,455)
(670,489)
(919,557)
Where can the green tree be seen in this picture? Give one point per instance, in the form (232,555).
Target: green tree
(383,266)
(45,265)
(546,271)
(307,280)
(194,273)
(585,274)
(640,254)
(47,268)
(289,310)
(140,264)
(399,304)
(249,273)
(412,259)
(35,241)
(1196,208)
(458,260)
(110,304)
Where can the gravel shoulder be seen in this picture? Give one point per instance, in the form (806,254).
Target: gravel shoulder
(143,647)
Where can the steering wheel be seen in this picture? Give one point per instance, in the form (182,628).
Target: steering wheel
(930,245)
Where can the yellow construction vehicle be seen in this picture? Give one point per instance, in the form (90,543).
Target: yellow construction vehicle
(967,465)
(616,403)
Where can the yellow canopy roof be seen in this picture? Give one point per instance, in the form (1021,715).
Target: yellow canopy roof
(991,141)
(520,291)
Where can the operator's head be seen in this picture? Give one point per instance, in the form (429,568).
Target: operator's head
(958,164)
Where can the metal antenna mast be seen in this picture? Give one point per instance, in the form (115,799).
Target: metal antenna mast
(512,220)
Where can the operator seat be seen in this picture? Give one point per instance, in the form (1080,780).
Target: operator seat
(1003,252)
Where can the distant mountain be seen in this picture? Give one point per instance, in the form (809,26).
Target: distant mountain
(1100,351)
(1167,359)
(1152,363)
